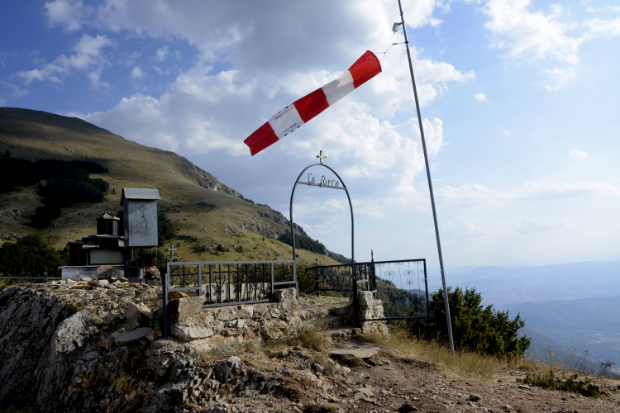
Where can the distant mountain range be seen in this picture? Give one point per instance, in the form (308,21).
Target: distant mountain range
(502,286)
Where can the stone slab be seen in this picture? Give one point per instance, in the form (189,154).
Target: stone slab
(131,336)
(362,351)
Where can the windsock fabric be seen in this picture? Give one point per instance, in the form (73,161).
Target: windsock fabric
(306,108)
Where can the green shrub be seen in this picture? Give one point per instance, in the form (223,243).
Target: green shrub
(302,241)
(29,257)
(165,228)
(474,327)
(351,361)
(306,278)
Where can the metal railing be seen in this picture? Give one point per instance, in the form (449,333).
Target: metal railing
(44,277)
(401,285)
(231,282)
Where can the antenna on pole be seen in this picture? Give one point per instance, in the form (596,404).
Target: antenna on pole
(428,174)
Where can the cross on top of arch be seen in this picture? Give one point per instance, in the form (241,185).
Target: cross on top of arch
(321,157)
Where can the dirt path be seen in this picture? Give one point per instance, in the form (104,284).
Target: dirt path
(393,381)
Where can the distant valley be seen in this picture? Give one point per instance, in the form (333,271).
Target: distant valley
(570,307)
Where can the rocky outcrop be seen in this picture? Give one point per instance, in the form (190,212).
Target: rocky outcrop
(92,348)
(39,345)
(53,359)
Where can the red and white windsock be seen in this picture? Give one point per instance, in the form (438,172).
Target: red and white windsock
(300,112)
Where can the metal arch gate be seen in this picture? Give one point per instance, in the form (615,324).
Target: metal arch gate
(333,185)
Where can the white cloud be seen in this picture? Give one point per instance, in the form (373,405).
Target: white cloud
(506,133)
(87,57)
(472,195)
(372,134)
(559,77)
(481,97)
(530,33)
(603,9)
(203,111)
(433,132)
(464,228)
(17,91)
(69,14)
(563,190)
(600,28)
(480,196)
(162,53)
(534,226)
(539,35)
(137,73)
(574,153)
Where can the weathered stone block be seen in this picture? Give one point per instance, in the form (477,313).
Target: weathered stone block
(366,298)
(130,336)
(145,311)
(132,314)
(245,311)
(283,294)
(366,313)
(260,310)
(226,314)
(183,308)
(190,329)
(378,312)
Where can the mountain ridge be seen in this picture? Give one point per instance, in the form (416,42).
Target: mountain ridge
(199,204)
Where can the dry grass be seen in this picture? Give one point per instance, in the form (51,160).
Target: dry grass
(308,336)
(6,282)
(224,352)
(464,363)
(11,282)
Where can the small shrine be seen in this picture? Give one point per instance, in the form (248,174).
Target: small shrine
(109,248)
(105,248)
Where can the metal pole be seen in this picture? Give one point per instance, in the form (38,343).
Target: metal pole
(316,276)
(430,183)
(164,290)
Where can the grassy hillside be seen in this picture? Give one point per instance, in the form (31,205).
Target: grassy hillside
(204,211)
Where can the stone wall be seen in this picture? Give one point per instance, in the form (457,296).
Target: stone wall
(207,328)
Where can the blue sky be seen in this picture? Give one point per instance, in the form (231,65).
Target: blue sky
(519,102)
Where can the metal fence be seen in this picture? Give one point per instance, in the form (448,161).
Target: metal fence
(43,277)
(224,283)
(401,285)
(228,282)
